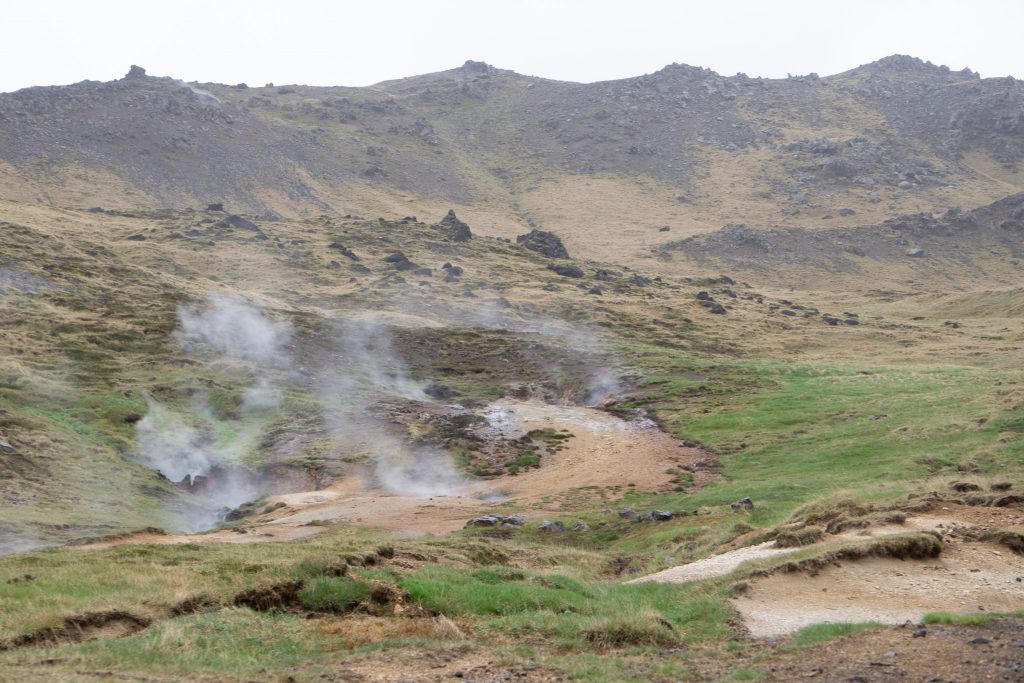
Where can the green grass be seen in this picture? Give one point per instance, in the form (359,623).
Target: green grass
(819,633)
(525,604)
(970,619)
(234,640)
(333,594)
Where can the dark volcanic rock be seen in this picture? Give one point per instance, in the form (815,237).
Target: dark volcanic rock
(567,270)
(345,251)
(456,230)
(238,222)
(547,243)
(440,391)
(400,261)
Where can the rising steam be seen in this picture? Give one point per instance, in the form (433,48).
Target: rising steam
(193,447)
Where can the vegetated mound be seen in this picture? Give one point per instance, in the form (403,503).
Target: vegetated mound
(956,240)
(112,624)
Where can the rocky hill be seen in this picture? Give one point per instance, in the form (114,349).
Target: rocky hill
(895,136)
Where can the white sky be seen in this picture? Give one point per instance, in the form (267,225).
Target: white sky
(360,42)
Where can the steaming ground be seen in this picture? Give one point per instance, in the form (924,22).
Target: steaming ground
(604,453)
(204,455)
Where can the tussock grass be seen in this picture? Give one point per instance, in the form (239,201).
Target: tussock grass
(333,594)
(646,627)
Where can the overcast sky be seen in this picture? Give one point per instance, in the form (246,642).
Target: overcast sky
(350,42)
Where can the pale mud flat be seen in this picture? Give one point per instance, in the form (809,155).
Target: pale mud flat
(604,451)
(968,578)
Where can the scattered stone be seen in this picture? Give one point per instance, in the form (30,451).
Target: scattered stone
(786,311)
(440,391)
(456,230)
(964,486)
(743,504)
(216,206)
(580,525)
(400,261)
(6,447)
(998,486)
(980,640)
(639,281)
(595,290)
(547,243)
(552,527)
(138,237)
(629,514)
(704,296)
(567,270)
(920,633)
(916,252)
(905,185)
(878,416)
(664,228)
(504,521)
(345,251)
(424,272)
(851,321)
(235,221)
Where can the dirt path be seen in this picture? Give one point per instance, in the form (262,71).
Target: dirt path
(716,565)
(605,451)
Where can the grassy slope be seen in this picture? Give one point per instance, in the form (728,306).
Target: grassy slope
(790,434)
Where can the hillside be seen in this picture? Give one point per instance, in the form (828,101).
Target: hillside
(683,147)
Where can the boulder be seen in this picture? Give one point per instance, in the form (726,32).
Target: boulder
(456,230)
(135,72)
(542,242)
(552,527)
(234,221)
(486,520)
(440,391)
(400,261)
(345,251)
(580,525)
(629,514)
(743,504)
(567,270)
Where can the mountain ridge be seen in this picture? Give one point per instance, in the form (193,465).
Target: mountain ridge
(898,135)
